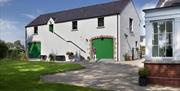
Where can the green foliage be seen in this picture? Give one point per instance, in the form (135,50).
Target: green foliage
(12,51)
(70,55)
(14,54)
(18,45)
(10,45)
(88,58)
(25,76)
(143,72)
(142,49)
(52,57)
(3,49)
(127,57)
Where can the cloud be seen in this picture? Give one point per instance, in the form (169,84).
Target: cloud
(29,16)
(7,25)
(142,14)
(149,5)
(3,2)
(33,15)
(11,30)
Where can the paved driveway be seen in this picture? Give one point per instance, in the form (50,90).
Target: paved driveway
(110,76)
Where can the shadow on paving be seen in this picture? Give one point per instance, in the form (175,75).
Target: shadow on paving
(118,77)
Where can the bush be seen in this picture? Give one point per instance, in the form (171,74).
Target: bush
(13,54)
(43,57)
(70,55)
(127,57)
(16,54)
(88,58)
(3,49)
(12,51)
(52,57)
(143,72)
(23,56)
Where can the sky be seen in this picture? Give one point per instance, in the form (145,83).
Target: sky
(16,14)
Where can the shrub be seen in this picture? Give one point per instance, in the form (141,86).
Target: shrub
(127,57)
(88,58)
(70,55)
(13,54)
(16,54)
(23,56)
(43,57)
(52,57)
(143,72)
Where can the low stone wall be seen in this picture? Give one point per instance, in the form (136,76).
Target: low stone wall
(164,74)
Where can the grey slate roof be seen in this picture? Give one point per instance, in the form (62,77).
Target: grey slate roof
(162,3)
(93,11)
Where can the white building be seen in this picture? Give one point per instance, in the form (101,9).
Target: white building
(113,29)
(163,42)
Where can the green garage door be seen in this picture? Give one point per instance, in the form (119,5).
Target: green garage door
(104,48)
(34,50)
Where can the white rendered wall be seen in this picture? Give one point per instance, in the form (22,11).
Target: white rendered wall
(87,29)
(129,12)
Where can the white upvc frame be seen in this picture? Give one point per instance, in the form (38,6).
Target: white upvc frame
(173,25)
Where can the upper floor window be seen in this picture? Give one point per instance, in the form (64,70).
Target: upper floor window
(162,45)
(136,43)
(74,25)
(130,24)
(51,28)
(36,30)
(101,22)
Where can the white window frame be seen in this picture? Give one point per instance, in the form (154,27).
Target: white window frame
(36,28)
(159,57)
(131,25)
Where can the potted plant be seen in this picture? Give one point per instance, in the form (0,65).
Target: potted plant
(127,57)
(52,57)
(70,55)
(43,57)
(143,76)
(88,58)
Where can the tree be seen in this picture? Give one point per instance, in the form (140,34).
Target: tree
(18,45)
(10,45)
(3,49)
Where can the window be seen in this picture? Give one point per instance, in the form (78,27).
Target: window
(101,22)
(136,43)
(36,30)
(51,28)
(162,38)
(130,24)
(74,25)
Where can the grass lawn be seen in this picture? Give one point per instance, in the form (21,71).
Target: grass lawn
(25,76)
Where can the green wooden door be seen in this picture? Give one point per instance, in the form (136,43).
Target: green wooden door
(104,48)
(34,50)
